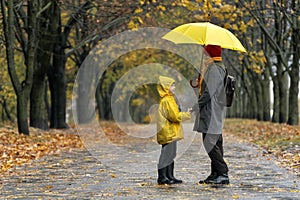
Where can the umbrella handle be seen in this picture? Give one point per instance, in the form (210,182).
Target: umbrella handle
(197,82)
(194,86)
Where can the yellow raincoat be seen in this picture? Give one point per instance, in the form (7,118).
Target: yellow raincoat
(169,127)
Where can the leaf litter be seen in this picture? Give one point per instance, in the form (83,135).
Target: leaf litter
(17,149)
(280,140)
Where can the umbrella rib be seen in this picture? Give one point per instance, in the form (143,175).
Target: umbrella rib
(205,34)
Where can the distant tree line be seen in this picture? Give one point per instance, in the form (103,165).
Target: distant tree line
(46,41)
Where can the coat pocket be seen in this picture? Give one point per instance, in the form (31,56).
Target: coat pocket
(205,111)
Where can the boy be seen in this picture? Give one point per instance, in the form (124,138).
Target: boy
(169,129)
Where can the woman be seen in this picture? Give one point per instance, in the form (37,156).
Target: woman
(210,118)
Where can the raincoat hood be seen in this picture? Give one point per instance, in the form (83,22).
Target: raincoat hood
(164,84)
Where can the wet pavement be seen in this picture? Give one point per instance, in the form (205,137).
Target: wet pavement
(81,174)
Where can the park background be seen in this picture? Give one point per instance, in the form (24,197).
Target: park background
(44,42)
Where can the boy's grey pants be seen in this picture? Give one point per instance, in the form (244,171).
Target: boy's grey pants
(167,155)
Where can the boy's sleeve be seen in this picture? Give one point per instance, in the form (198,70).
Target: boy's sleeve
(171,111)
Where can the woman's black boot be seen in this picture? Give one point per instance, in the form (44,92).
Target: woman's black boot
(212,176)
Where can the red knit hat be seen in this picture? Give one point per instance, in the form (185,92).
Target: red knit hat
(213,50)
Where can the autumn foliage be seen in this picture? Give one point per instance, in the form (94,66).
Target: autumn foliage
(17,149)
(277,141)
(280,140)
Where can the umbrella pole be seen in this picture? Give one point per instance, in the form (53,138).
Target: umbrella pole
(199,75)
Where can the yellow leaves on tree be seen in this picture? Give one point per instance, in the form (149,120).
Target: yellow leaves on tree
(251,23)
(17,149)
(138,10)
(135,22)
(257,60)
(242,27)
(187,4)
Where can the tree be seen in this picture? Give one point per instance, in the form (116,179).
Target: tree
(65,32)
(22,88)
(76,35)
(294,19)
(281,41)
(38,109)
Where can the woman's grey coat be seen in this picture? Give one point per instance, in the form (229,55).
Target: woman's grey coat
(211,114)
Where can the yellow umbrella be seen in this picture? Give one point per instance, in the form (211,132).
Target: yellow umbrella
(204,33)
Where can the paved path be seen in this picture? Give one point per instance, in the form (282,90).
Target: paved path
(79,175)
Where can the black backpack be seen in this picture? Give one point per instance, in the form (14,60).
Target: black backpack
(229,84)
(226,96)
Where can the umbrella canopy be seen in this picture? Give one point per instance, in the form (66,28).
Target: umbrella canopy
(204,33)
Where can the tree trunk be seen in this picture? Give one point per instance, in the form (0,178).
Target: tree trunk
(266,102)
(259,97)
(5,110)
(253,108)
(283,101)
(293,115)
(279,38)
(253,97)
(57,85)
(293,118)
(38,111)
(57,71)
(266,94)
(244,97)
(47,27)
(276,108)
(46,99)
(56,74)
(103,104)
(98,101)
(238,101)
(24,95)
(246,107)
(104,100)
(22,113)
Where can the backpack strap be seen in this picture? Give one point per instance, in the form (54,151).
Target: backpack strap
(226,74)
